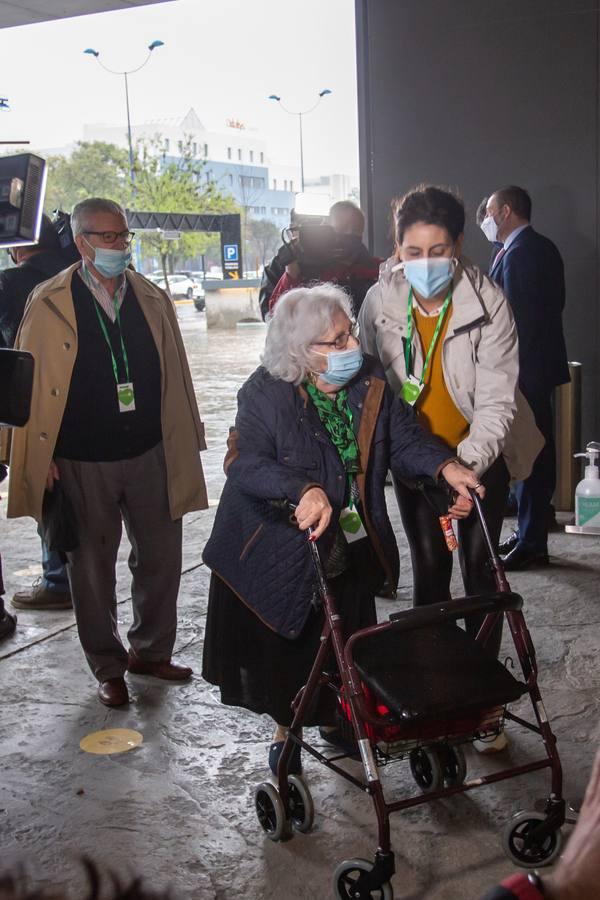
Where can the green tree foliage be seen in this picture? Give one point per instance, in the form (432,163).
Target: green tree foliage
(176,186)
(94,169)
(98,169)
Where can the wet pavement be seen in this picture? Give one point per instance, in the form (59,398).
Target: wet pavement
(178,809)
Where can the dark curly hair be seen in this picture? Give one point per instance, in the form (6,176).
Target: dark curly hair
(431,205)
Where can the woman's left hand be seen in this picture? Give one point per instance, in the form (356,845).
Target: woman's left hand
(461,508)
(461,479)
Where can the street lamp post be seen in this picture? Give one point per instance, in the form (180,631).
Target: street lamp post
(125,74)
(300,114)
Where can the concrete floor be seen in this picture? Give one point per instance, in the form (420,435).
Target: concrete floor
(178,809)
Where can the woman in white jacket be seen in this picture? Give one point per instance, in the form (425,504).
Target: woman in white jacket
(446,337)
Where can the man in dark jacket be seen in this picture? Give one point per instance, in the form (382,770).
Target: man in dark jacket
(355,270)
(530,271)
(33,265)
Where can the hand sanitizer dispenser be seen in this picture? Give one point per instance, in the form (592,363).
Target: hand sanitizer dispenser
(587,492)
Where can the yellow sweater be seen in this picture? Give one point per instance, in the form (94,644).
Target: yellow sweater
(435,407)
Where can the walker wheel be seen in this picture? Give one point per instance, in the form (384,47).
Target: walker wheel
(345,880)
(518,845)
(454,765)
(271,813)
(426,768)
(302,809)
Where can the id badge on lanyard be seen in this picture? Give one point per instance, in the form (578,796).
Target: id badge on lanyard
(412,388)
(351,524)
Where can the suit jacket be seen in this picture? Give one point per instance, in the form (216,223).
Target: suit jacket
(531,274)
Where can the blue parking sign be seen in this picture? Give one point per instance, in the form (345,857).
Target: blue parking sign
(231,252)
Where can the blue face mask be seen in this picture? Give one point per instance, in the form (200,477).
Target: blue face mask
(428,277)
(342,366)
(111,263)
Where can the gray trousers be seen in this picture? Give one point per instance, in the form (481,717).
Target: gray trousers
(103,495)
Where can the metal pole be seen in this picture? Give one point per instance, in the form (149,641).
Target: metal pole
(567,415)
(131,168)
(301,154)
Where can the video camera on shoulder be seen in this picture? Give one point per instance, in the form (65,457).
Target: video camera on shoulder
(311,241)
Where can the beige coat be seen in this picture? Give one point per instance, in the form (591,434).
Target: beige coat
(479,359)
(49,332)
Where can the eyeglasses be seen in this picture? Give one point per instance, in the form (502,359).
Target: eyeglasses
(110,237)
(341,341)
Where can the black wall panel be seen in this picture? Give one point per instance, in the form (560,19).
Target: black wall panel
(476,95)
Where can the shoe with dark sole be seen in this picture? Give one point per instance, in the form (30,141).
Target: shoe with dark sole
(8,624)
(113,692)
(40,597)
(295,762)
(523,558)
(337,739)
(164,668)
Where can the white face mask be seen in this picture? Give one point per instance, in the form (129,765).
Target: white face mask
(490,229)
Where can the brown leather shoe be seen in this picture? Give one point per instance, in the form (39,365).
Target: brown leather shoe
(163,668)
(113,692)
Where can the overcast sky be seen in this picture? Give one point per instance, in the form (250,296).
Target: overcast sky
(223,57)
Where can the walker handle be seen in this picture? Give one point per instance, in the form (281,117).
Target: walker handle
(499,577)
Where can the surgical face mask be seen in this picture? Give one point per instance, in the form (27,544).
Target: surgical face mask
(490,229)
(429,277)
(342,366)
(110,263)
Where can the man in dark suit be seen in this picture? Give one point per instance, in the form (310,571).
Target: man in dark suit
(33,264)
(530,271)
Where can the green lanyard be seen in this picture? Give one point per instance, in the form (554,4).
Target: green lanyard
(436,333)
(107,339)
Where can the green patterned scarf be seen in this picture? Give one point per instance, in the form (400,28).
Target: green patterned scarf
(336,416)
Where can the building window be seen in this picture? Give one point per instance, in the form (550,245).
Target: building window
(229,153)
(166,145)
(252,156)
(274,184)
(180,146)
(240,155)
(291,185)
(206,150)
(262,157)
(231,179)
(285,184)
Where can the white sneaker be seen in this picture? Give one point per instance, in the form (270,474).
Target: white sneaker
(492,745)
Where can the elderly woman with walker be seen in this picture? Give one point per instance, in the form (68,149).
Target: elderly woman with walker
(318,427)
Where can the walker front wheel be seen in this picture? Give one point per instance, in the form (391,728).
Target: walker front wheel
(270,812)
(302,810)
(523,848)
(346,882)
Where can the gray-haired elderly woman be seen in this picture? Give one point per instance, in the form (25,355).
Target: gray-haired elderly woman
(317,425)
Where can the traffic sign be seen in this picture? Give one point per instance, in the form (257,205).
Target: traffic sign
(231,252)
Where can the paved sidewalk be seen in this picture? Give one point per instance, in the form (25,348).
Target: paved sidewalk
(179,808)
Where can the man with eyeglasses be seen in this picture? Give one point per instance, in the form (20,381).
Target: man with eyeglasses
(115,429)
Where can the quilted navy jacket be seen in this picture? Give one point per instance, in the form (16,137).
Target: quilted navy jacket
(277,450)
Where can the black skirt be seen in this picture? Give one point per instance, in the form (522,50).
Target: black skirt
(261,671)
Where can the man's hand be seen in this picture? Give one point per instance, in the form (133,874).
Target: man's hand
(52,476)
(314,510)
(461,479)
